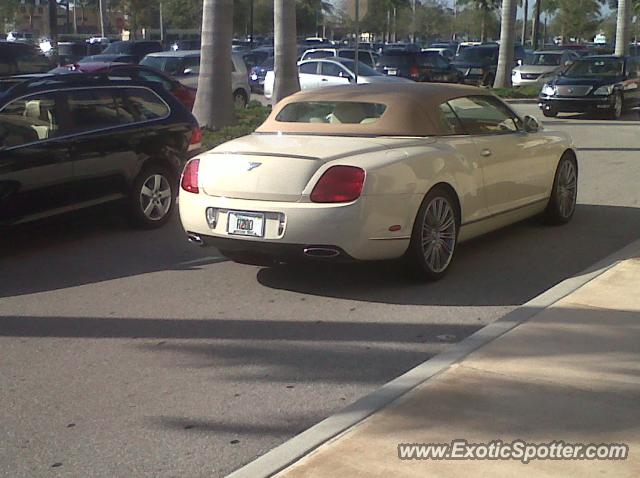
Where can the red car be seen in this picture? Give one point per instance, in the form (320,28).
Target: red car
(184,94)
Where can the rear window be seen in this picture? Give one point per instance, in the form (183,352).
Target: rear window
(120,47)
(318,54)
(397,61)
(146,104)
(331,112)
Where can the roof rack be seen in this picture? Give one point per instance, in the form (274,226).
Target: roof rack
(28,81)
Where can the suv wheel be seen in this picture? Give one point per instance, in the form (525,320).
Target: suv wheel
(240,99)
(152,197)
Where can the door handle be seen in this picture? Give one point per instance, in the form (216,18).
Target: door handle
(324,79)
(485,152)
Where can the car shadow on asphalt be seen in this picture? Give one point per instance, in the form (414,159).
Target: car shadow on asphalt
(505,267)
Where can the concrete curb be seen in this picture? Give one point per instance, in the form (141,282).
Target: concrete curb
(291,451)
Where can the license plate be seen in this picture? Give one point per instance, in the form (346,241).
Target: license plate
(392,72)
(245,224)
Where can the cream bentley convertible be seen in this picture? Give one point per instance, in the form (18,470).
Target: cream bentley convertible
(370,172)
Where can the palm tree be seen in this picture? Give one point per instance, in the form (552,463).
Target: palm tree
(507,43)
(622,27)
(485,7)
(214,102)
(286,51)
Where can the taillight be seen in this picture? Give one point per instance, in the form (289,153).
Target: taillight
(339,184)
(413,72)
(189,180)
(196,139)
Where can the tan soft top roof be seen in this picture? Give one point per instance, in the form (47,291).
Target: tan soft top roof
(411,109)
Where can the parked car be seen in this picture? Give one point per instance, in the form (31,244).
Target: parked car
(541,67)
(256,57)
(466,44)
(137,49)
(330,72)
(25,37)
(478,64)
(74,141)
(108,58)
(184,94)
(71,52)
(364,56)
(608,84)
(368,172)
(184,66)
(258,74)
(420,66)
(21,58)
(188,44)
(400,46)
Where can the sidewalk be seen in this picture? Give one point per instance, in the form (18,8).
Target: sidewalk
(570,373)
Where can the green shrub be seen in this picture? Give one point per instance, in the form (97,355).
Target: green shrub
(247,120)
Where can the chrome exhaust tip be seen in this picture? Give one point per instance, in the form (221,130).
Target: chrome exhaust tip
(321,252)
(195,238)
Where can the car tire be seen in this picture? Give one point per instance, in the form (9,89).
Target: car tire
(152,197)
(562,203)
(434,236)
(550,113)
(240,99)
(616,111)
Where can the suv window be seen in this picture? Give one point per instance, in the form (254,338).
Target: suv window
(485,115)
(29,119)
(96,108)
(146,104)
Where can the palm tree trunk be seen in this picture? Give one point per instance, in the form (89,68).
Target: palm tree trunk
(214,100)
(285,68)
(622,27)
(507,42)
(525,15)
(535,34)
(483,24)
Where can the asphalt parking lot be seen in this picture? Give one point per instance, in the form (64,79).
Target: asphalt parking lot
(131,353)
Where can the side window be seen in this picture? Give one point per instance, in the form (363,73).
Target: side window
(331,69)
(146,104)
(27,120)
(95,108)
(449,121)
(485,115)
(310,68)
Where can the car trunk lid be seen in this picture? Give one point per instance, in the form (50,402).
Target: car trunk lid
(273,167)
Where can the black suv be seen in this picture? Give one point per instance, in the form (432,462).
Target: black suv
(21,58)
(136,49)
(478,64)
(417,66)
(74,141)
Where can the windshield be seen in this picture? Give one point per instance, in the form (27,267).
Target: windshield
(589,67)
(119,47)
(363,70)
(545,59)
(478,54)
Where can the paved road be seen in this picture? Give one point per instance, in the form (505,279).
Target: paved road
(131,353)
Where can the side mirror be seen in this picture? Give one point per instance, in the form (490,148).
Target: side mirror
(187,71)
(568,63)
(531,124)
(519,62)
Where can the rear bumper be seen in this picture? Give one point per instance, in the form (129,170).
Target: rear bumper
(576,105)
(358,230)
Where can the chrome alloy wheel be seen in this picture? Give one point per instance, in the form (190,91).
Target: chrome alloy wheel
(155,197)
(438,234)
(567,188)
